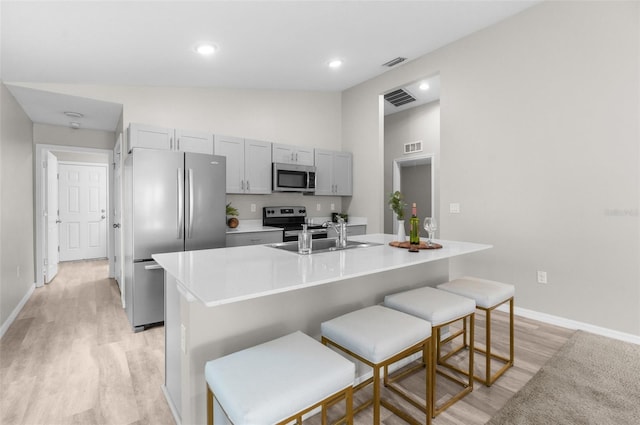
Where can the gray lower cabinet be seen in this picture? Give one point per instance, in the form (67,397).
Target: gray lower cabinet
(353,230)
(253,238)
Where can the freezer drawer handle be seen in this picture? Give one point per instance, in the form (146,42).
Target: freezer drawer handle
(180,203)
(153,267)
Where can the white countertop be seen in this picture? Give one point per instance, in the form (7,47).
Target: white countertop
(227,275)
(247,226)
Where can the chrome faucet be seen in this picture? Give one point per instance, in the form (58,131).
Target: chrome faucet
(341,230)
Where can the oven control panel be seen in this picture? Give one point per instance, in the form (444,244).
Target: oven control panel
(274,212)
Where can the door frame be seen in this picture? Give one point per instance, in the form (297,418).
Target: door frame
(41,151)
(396,179)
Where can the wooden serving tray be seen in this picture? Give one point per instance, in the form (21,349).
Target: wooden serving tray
(407,245)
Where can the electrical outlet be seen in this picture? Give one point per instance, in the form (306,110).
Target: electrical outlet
(333,207)
(454,208)
(253,207)
(318,207)
(542,276)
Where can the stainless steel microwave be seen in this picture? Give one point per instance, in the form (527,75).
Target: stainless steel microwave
(293,178)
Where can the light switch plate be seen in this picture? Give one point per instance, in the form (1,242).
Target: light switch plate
(454,208)
(542,276)
(253,207)
(318,207)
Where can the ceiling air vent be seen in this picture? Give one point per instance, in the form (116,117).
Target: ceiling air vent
(399,97)
(394,62)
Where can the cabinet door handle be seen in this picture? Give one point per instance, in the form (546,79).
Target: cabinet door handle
(177,144)
(248,186)
(170,143)
(242,185)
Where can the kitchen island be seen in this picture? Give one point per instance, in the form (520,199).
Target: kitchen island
(223,300)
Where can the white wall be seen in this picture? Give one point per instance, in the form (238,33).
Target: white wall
(294,117)
(16,213)
(540,146)
(47,134)
(300,118)
(419,123)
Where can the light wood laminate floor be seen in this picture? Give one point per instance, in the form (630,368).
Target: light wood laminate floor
(71,358)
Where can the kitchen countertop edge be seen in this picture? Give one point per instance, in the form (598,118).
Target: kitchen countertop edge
(289,271)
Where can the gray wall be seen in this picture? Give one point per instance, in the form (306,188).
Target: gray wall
(66,136)
(419,123)
(540,146)
(16,197)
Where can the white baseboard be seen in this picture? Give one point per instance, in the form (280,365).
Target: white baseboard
(172,407)
(16,311)
(572,324)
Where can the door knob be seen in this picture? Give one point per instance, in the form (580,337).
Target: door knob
(58,221)
(116,225)
(103,217)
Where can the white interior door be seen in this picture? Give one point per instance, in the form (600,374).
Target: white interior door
(83,211)
(51,256)
(117,217)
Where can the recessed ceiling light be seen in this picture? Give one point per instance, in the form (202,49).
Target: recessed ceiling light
(335,63)
(74,125)
(206,49)
(73,114)
(424,86)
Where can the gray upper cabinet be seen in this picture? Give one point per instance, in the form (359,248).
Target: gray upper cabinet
(290,154)
(152,137)
(334,173)
(248,164)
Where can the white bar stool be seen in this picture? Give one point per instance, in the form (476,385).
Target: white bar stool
(441,308)
(279,381)
(378,337)
(488,295)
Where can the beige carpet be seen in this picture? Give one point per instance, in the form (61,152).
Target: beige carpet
(590,380)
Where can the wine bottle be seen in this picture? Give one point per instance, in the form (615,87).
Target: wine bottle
(414,232)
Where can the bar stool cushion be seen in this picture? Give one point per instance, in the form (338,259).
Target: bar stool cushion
(376,333)
(431,304)
(272,381)
(487,293)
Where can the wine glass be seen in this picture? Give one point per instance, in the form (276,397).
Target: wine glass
(430,226)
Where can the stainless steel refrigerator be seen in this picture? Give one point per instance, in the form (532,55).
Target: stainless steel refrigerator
(173,201)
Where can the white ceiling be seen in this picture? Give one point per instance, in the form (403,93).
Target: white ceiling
(280,45)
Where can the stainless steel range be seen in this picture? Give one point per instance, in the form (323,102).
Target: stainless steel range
(291,220)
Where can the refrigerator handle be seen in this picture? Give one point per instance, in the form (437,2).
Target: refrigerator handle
(190,185)
(180,202)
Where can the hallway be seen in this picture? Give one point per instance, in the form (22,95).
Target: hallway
(71,358)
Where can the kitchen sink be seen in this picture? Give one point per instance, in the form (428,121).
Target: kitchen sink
(323,245)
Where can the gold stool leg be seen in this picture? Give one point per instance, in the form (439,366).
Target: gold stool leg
(511,333)
(488,347)
(209,406)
